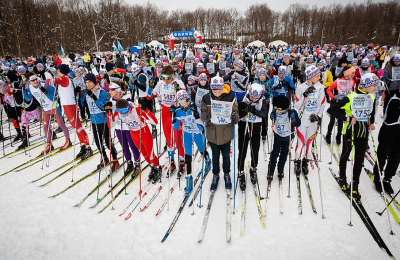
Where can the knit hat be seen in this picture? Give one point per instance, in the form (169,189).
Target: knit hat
(200,66)
(322,62)
(158,62)
(211,56)
(29,61)
(370,55)
(281,102)
(40,65)
(63,69)
(217,83)
(256,90)
(311,72)
(368,80)
(310,57)
(135,68)
(396,58)
(21,69)
(239,63)
(110,66)
(286,55)
(365,62)
(261,71)
(339,55)
(102,72)
(354,60)
(90,77)
(182,94)
(260,56)
(192,78)
(328,58)
(282,70)
(196,60)
(202,76)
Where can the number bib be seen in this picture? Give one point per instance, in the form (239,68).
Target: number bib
(222,65)
(189,124)
(221,112)
(362,72)
(324,76)
(188,68)
(395,73)
(289,71)
(350,56)
(44,101)
(362,107)
(251,118)
(199,96)
(210,68)
(239,78)
(338,70)
(132,120)
(281,126)
(168,95)
(312,102)
(344,87)
(309,64)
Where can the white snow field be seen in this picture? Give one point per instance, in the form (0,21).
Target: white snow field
(34,226)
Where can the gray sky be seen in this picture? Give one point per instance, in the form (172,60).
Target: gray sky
(280,5)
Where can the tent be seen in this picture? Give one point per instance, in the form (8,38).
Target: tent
(156,44)
(256,43)
(200,46)
(277,43)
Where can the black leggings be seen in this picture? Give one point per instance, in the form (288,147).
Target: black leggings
(332,124)
(102,132)
(360,147)
(244,138)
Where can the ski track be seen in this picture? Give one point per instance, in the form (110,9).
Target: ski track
(36,227)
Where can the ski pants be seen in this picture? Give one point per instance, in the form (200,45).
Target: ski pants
(188,140)
(125,139)
(305,136)
(253,130)
(281,149)
(101,133)
(70,112)
(83,106)
(223,149)
(331,125)
(144,141)
(56,112)
(388,151)
(13,113)
(167,127)
(360,147)
(26,117)
(264,128)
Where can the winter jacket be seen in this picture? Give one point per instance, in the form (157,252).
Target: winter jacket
(392,85)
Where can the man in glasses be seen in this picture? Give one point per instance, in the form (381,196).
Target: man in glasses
(167,88)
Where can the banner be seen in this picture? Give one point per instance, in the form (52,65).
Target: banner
(182,34)
(119,46)
(142,44)
(115,48)
(62,50)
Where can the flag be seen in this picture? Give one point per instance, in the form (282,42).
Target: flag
(115,48)
(119,46)
(62,50)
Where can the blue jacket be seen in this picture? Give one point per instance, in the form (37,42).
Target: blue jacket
(282,89)
(50,93)
(96,108)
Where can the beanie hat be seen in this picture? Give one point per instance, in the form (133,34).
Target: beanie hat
(135,68)
(115,87)
(281,102)
(282,70)
(202,76)
(182,94)
(102,72)
(239,63)
(40,65)
(261,71)
(90,77)
(63,69)
(354,60)
(110,66)
(192,78)
(310,57)
(217,83)
(211,56)
(328,58)
(260,56)
(256,90)
(339,55)
(368,80)
(396,58)
(311,72)
(286,55)
(200,66)
(365,62)
(158,62)
(21,69)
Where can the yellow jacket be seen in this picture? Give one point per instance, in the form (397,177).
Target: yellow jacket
(86,58)
(329,79)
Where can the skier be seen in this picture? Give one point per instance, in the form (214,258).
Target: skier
(263,80)
(238,79)
(392,77)
(220,110)
(310,100)
(80,90)
(187,113)
(282,84)
(252,109)
(285,120)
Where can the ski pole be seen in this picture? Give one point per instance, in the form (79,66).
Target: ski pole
(352,168)
(234,166)
(192,166)
(290,153)
(381,180)
(2,130)
(73,160)
(320,139)
(393,198)
(319,178)
(123,157)
(48,127)
(170,160)
(111,170)
(202,164)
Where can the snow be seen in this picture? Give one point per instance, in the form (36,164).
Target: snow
(36,227)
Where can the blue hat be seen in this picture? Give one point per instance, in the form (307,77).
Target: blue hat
(110,66)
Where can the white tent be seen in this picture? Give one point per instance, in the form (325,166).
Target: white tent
(156,44)
(277,43)
(256,43)
(200,46)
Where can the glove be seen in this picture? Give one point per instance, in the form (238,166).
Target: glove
(176,86)
(44,91)
(314,118)
(204,116)
(272,115)
(149,92)
(137,83)
(310,90)
(191,107)
(77,90)
(172,109)
(284,82)
(234,119)
(291,115)
(108,107)
(93,96)
(251,109)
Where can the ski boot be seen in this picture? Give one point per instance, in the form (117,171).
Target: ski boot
(136,169)
(356,193)
(114,165)
(103,163)
(58,130)
(88,153)
(1,137)
(23,145)
(297,167)
(207,165)
(253,175)
(129,168)
(214,184)
(81,152)
(154,131)
(328,138)
(388,187)
(338,140)
(66,144)
(181,171)
(18,137)
(54,137)
(377,183)
(343,185)
(304,166)
(242,180)
(189,184)
(156,174)
(228,182)
(49,147)
(172,168)
(280,174)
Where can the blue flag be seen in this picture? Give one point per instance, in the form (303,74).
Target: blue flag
(115,48)
(119,46)
(62,50)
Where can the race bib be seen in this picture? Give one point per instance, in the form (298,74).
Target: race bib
(222,65)
(312,102)
(395,73)
(189,124)
(132,120)
(350,56)
(239,78)
(253,118)
(338,70)
(344,87)
(281,126)
(362,107)
(188,68)
(324,76)
(199,96)
(168,95)
(221,112)
(309,64)
(210,68)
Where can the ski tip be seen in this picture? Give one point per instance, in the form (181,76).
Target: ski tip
(122,213)
(141,210)
(128,216)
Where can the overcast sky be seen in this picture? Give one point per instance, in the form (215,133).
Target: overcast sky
(280,5)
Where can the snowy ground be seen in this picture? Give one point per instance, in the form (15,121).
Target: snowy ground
(36,227)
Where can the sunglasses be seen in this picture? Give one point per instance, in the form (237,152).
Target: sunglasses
(123,111)
(33,80)
(166,77)
(183,101)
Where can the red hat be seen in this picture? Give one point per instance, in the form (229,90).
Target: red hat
(29,61)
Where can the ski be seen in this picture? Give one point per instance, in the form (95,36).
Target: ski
(207,214)
(359,208)
(228,216)
(266,199)
(259,209)
(243,213)
(372,177)
(196,193)
(331,150)
(280,196)
(300,206)
(264,151)
(166,200)
(146,189)
(309,193)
